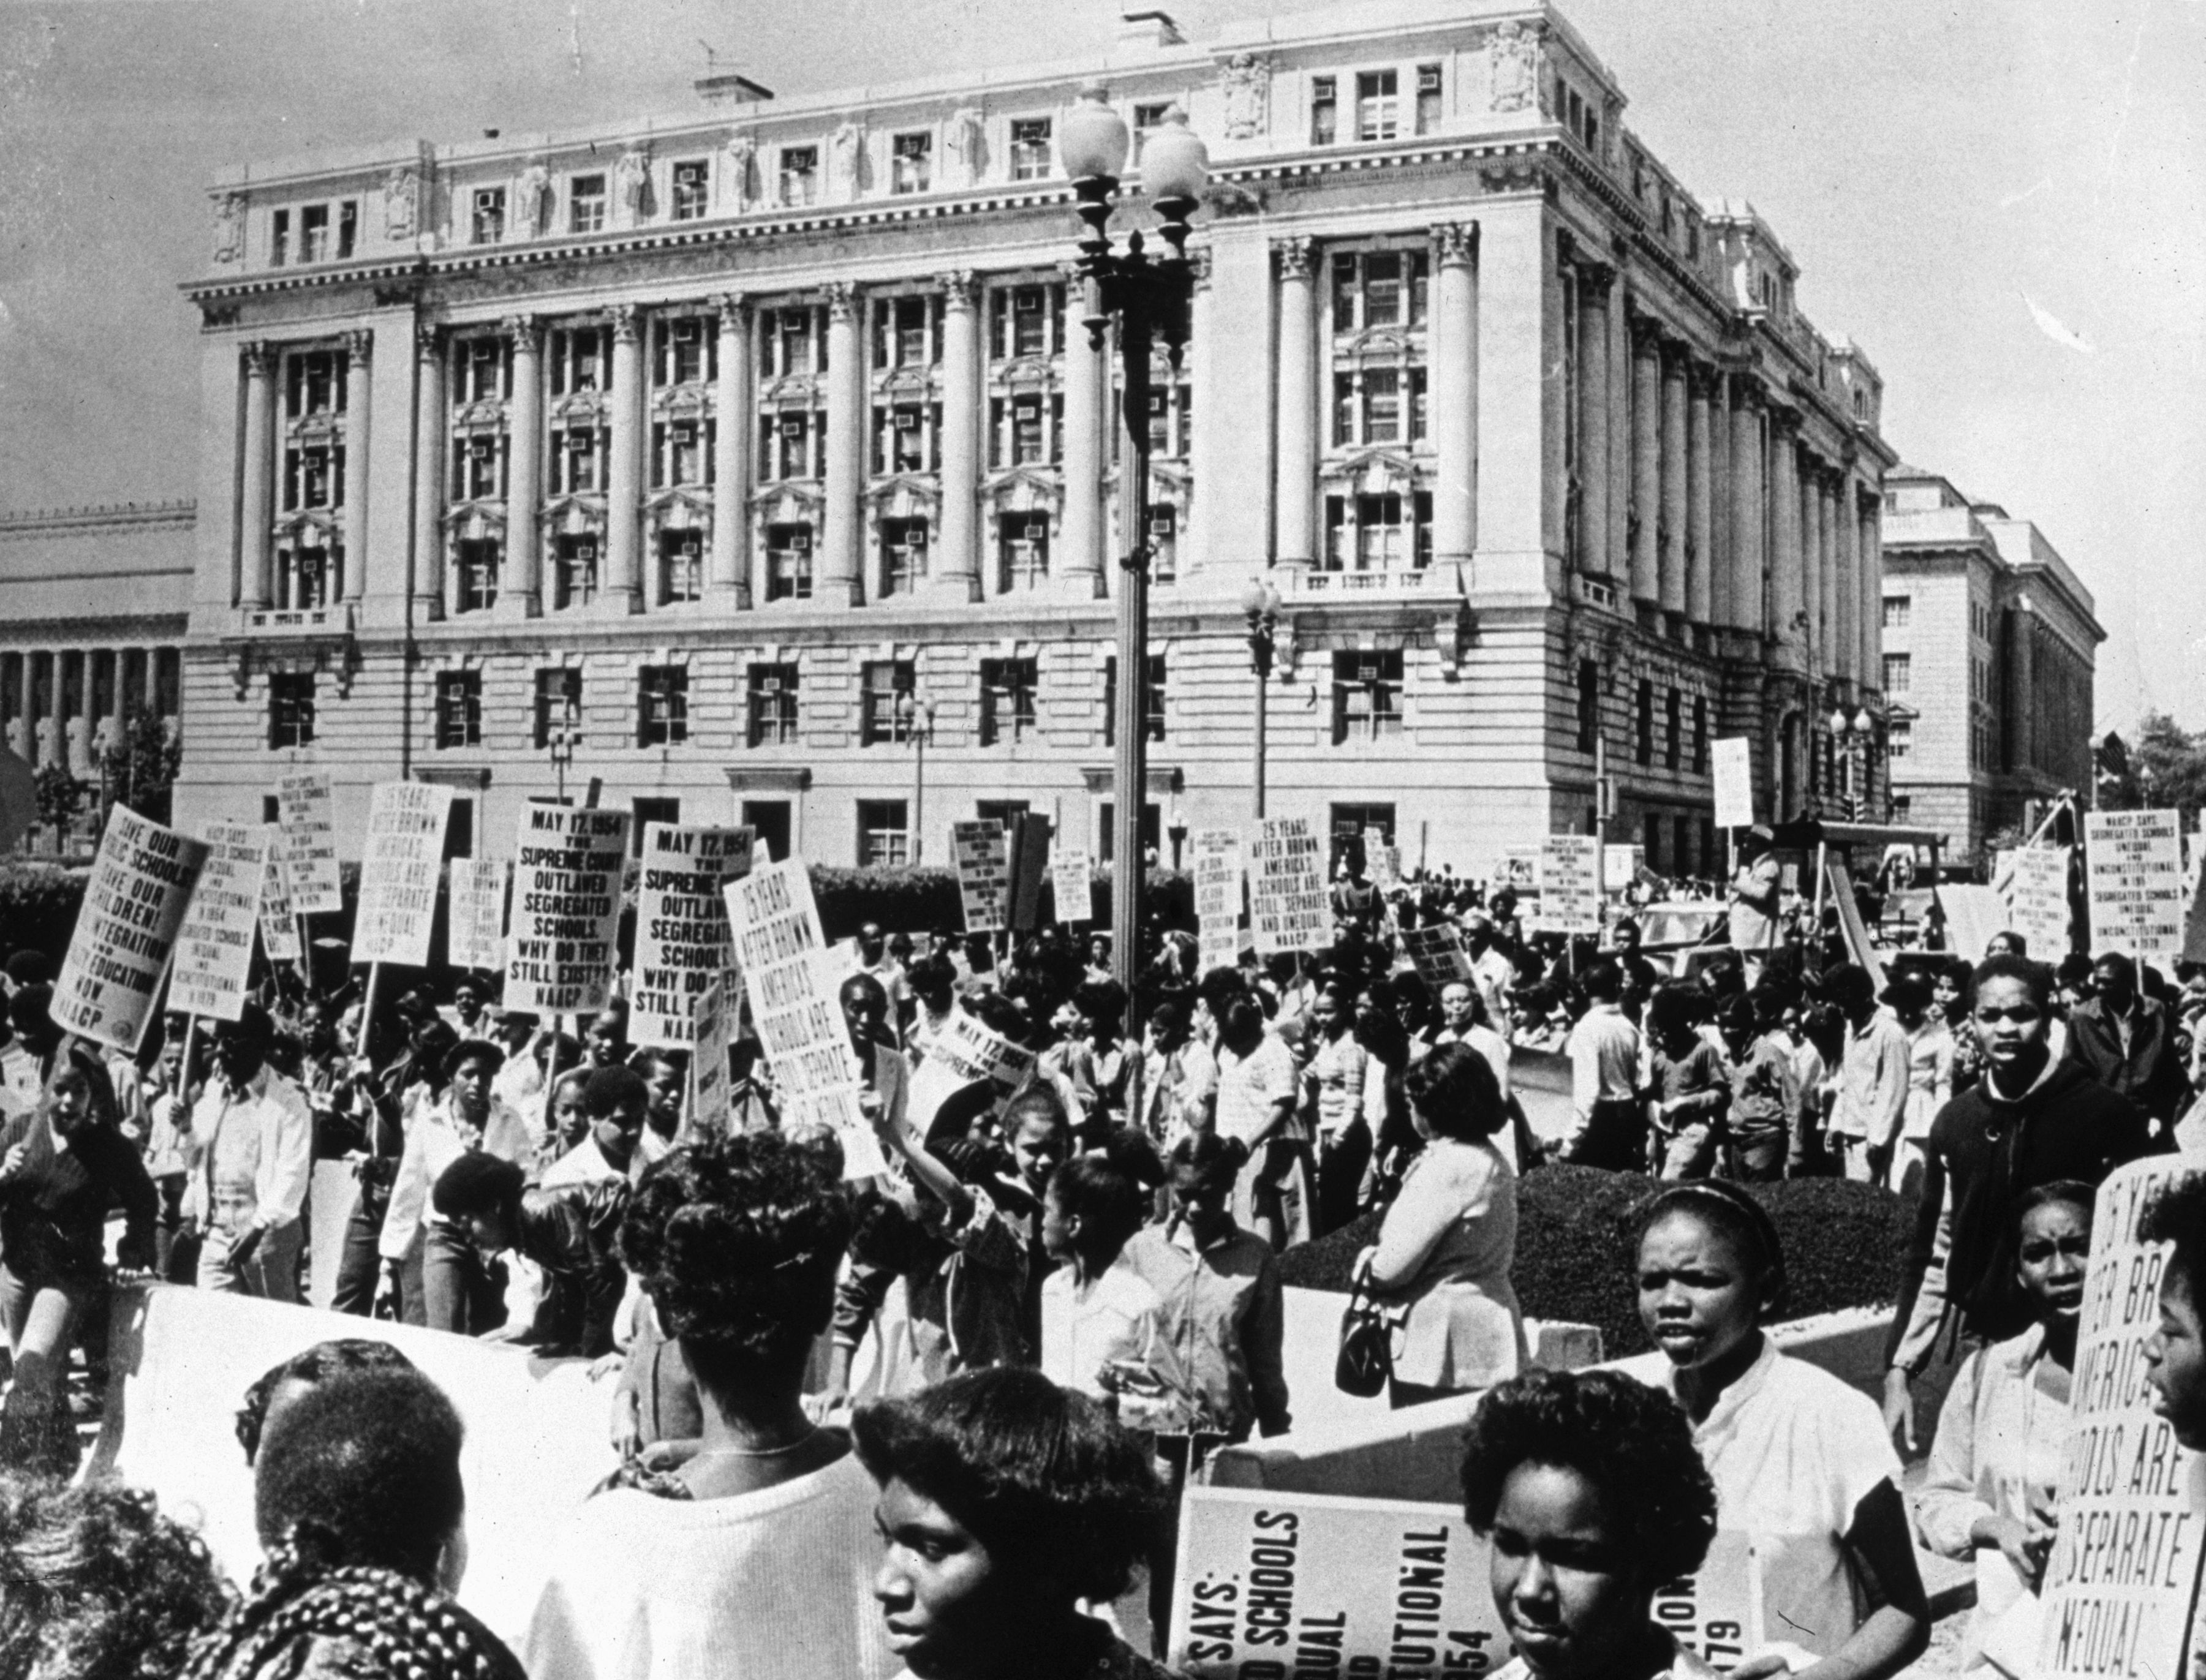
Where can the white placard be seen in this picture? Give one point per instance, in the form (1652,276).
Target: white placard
(682,941)
(712,1026)
(133,905)
(474,913)
(2122,1582)
(1218,897)
(791,980)
(214,946)
(963,1051)
(1436,948)
(1570,884)
(1973,915)
(279,922)
(1072,882)
(981,852)
(306,814)
(1288,909)
(567,866)
(1382,859)
(1519,868)
(2037,900)
(2135,863)
(1620,866)
(1730,767)
(399,866)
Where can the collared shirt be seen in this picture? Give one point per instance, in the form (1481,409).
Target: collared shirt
(1873,1081)
(1177,1089)
(1225,1315)
(434,1140)
(1604,1051)
(1114,1319)
(1250,1087)
(257,1142)
(1334,1081)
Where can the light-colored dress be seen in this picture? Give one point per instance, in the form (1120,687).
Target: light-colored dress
(1445,1250)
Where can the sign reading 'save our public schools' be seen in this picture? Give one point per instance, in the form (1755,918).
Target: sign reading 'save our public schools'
(566,908)
(133,905)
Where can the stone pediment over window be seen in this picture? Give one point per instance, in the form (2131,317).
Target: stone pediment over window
(1026,372)
(1023,489)
(681,402)
(905,384)
(682,504)
(312,429)
(581,405)
(791,390)
(904,497)
(1370,473)
(1381,345)
(470,521)
(586,507)
(788,504)
(488,412)
(322,522)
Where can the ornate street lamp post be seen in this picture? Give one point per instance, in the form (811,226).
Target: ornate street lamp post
(1851,732)
(917,717)
(1261,604)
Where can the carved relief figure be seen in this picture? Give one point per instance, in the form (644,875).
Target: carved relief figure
(967,146)
(632,179)
(846,152)
(1515,54)
(741,153)
(402,203)
(230,226)
(1246,81)
(528,208)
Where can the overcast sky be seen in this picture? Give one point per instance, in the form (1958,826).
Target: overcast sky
(1936,169)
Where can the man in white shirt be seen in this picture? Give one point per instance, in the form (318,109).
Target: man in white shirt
(1608,1128)
(248,1190)
(1491,971)
(1258,1090)
(1872,1096)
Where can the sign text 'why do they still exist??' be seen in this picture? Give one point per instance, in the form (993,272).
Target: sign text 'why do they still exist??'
(567,867)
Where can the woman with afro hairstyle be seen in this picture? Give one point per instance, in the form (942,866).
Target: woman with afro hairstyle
(1006,1501)
(754,1557)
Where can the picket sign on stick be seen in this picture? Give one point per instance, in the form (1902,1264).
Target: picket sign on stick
(1287,906)
(567,864)
(214,944)
(683,945)
(306,813)
(2134,860)
(126,930)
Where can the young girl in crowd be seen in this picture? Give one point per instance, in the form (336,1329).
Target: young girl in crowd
(1801,1464)
(2004,1429)
(1689,1091)
(1591,1498)
(1929,1075)
(1759,1061)
(1102,1324)
(2175,1356)
(1006,1503)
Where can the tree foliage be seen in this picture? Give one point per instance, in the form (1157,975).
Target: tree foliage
(141,762)
(61,795)
(2163,769)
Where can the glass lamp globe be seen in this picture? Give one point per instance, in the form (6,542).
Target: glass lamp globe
(1093,139)
(1175,163)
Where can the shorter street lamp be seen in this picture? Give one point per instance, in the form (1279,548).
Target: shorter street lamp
(915,722)
(561,742)
(1260,602)
(1851,732)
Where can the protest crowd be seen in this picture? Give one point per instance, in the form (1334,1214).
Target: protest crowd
(918,1382)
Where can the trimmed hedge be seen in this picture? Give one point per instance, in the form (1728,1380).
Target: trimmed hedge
(38,904)
(1844,1243)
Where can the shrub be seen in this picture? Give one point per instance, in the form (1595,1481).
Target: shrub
(922,900)
(1844,1243)
(38,907)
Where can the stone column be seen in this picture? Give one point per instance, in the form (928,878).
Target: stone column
(1195,542)
(624,587)
(49,723)
(1786,599)
(1672,557)
(360,405)
(428,589)
(1080,526)
(1594,282)
(1835,624)
(1646,460)
(1845,580)
(1817,639)
(19,728)
(1700,498)
(1748,609)
(1452,359)
(521,589)
(1618,363)
(1869,556)
(729,584)
(840,580)
(956,560)
(1295,486)
(256,511)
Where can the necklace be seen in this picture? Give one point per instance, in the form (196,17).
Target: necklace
(758,1452)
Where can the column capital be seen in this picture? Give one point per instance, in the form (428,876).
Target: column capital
(1783,417)
(259,359)
(523,330)
(1455,243)
(961,288)
(733,309)
(1072,269)
(1647,334)
(1295,256)
(428,341)
(1596,279)
(1745,391)
(842,300)
(627,322)
(360,344)
(1705,379)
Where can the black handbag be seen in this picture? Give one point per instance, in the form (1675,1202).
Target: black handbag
(1366,1358)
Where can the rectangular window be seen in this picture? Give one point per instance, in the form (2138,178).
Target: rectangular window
(314,233)
(314,382)
(1699,735)
(477,460)
(905,439)
(788,562)
(1378,289)
(1381,538)
(575,568)
(884,834)
(1148,118)
(1030,143)
(1899,608)
(1589,704)
(692,189)
(770,705)
(645,809)
(575,461)
(459,708)
(481,369)
(577,361)
(1644,719)
(883,684)
(1025,542)
(475,559)
(681,566)
(1007,700)
(799,175)
(488,226)
(904,555)
(1164,542)
(1429,99)
(559,706)
(662,706)
(1898,668)
(1382,405)
(291,708)
(688,351)
(1153,699)
(911,159)
(1899,737)
(1029,439)
(279,238)
(1367,696)
(1030,321)
(790,344)
(1325,110)
(348,227)
(585,203)
(1673,730)
(1376,115)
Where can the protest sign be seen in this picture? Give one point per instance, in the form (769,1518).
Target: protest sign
(133,905)
(1620,866)
(2121,1585)
(1437,949)
(306,814)
(711,1026)
(2134,861)
(1519,867)
(398,867)
(1218,897)
(1287,905)
(682,941)
(1973,915)
(475,914)
(963,1051)
(791,977)
(2194,925)
(1570,884)
(1730,767)
(1073,882)
(214,945)
(279,921)
(1382,861)
(567,870)
(2037,900)
(983,854)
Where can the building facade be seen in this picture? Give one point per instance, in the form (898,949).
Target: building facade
(1990,645)
(718,457)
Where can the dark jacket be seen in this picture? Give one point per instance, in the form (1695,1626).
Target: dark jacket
(1982,1152)
(2150,1072)
(572,1231)
(53,1212)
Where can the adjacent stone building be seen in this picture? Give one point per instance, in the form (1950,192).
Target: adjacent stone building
(1990,645)
(720,454)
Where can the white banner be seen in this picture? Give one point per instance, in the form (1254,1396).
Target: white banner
(1218,897)
(1621,865)
(981,852)
(2037,900)
(214,947)
(682,942)
(2135,864)
(1072,881)
(279,921)
(567,869)
(1973,915)
(1570,884)
(474,913)
(1287,906)
(1731,766)
(307,815)
(133,905)
(398,867)
(963,1051)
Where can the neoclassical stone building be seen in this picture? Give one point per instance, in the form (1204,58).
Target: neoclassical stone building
(736,448)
